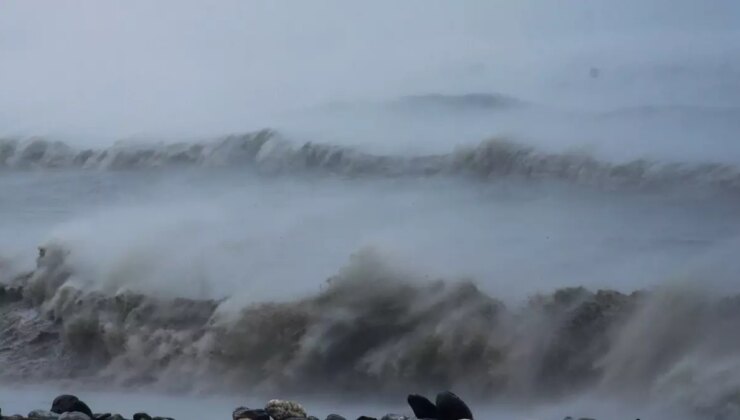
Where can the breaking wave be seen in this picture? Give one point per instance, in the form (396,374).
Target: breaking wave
(268,151)
(376,330)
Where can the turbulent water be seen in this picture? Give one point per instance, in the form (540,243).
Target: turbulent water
(170,282)
(266,151)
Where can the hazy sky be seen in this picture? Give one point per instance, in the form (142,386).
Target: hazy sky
(92,68)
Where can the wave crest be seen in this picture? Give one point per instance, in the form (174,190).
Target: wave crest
(374,330)
(269,152)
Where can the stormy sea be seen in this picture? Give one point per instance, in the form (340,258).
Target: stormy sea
(193,219)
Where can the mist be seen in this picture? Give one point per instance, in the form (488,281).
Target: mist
(550,187)
(94,73)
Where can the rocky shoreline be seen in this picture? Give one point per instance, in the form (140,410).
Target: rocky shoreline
(447,406)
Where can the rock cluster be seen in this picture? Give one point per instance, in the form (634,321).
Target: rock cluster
(448,406)
(69,407)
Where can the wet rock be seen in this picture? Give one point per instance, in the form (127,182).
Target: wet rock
(394,417)
(284,410)
(74,415)
(142,416)
(251,414)
(422,407)
(451,407)
(366,418)
(42,414)
(70,403)
(335,417)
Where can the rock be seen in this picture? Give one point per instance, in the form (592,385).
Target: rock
(422,407)
(366,418)
(74,415)
(312,418)
(42,414)
(335,417)
(103,416)
(163,418)
(69,403)
(142,416)
(451,407)
(284,410)
(116,417)
(394,417)
(251,414)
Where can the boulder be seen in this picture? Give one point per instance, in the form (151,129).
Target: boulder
(74,415)
(451,407)
(142,416)
(251,414)
(101,416)
(284,410)
(366,418)
(394,417)
(70,403)
(335,417)
(422,407)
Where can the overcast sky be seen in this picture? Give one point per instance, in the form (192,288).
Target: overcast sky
(92,68)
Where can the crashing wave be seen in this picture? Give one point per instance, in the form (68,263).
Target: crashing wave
(267,151)
(374,330)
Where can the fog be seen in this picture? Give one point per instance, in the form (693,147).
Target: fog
(380,173)
(94,72)
(618,81)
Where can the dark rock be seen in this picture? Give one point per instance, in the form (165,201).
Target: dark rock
(116,417)
(366,418)
(422,407)
(70,403)
(163,418)
(335,417)
(103,416)
(251,414)
(312,418)
(142,416)
(451,407)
